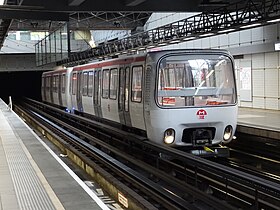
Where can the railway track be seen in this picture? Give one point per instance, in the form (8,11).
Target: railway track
(259,165)
(197,183)
(251,144)
(247,156)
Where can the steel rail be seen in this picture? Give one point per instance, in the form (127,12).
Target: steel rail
(204,197)
(258,187)
(163,196)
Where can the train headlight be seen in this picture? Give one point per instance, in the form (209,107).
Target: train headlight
(228,133)
(169,136)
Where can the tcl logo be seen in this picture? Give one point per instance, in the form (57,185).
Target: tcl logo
(201,114)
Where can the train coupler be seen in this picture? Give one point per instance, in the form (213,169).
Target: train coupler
(208,152)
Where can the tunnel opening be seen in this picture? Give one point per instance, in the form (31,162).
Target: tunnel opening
(20,84)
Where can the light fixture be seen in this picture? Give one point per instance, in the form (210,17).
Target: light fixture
(174,41)
(228,133)
(189,38)
(169,136)
(252,25)
(273,21)
(277,46)
(226,30)
(209,34)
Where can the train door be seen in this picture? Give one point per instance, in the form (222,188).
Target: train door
(68,88)
(136,105)
(105,94)
(62,90)
(113,94)
(123,99)
(79,91)
(87,80)
(43,88)
(73,90)
(59,89)
(97,93)
(55,99)
(51,87)
(48,89)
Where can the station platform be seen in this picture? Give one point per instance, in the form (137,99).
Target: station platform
(32,177)
(260,122)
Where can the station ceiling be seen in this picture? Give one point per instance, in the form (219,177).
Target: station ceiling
(38,15)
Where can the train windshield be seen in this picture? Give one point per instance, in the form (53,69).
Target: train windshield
(196,80)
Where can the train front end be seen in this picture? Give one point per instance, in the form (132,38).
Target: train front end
(196,100)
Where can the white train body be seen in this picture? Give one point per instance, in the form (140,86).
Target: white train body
(176,97)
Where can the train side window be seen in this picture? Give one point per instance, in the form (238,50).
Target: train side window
(136,89)
(105,83)
(63,83)
(74,83)
(54,83)
(90,83)
(113,83)
(85,84)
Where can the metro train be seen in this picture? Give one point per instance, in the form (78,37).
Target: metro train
(174,97)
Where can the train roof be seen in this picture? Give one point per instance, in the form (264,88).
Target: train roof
(112,62)
(131,58)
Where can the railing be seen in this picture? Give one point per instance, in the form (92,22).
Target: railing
(57,46)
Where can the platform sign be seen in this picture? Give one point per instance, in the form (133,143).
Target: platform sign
(245,75)
(123,200)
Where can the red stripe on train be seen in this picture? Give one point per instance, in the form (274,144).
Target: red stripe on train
(59,71)
(110,63)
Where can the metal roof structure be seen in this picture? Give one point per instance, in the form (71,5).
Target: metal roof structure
(106,14)
(216,17)
(233,17)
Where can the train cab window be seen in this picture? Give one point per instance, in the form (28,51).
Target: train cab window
(74,83)
(63,83)
(113,83)
(105,83)
(85,84)
(136,89)
(90,83)
(196,80)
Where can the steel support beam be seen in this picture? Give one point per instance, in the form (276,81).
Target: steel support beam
(75,2)
(33,15)
(132,3)
(248,14)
